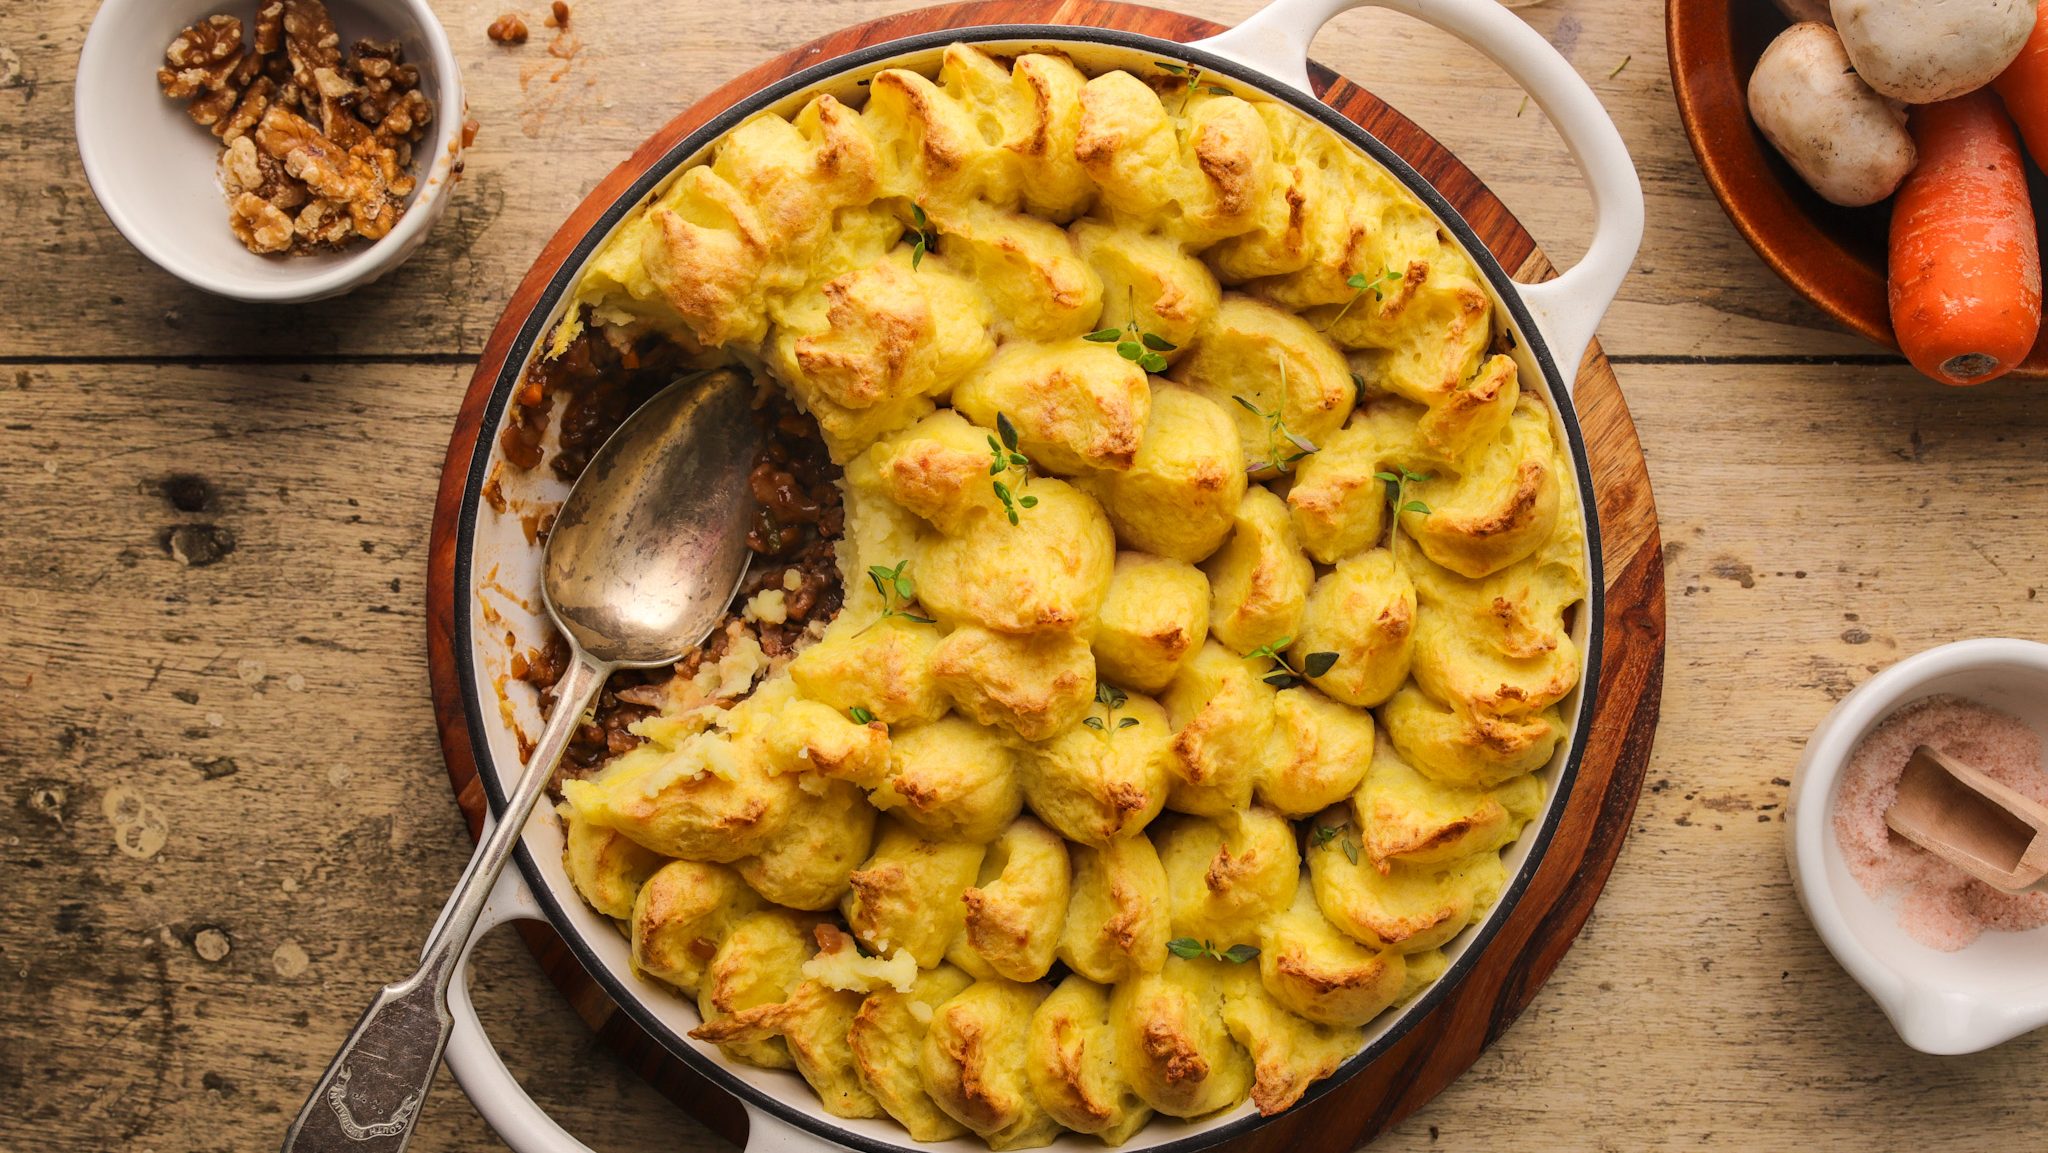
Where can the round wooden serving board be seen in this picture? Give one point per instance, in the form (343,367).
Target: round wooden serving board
(1589,836)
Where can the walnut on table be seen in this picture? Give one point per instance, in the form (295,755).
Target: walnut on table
(507,29)
(318,144)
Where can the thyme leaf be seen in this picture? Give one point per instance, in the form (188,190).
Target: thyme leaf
(1145,349)
(1359,286)
(1279,438)
(1004,458)
(1397,483)
(1189,949)
(897,591)
(924,237)
(1343,834)
(1283,674)
(1111,699)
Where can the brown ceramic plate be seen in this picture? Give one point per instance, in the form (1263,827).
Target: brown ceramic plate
(1831,255)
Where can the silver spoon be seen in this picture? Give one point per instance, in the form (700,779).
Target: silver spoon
(643,560)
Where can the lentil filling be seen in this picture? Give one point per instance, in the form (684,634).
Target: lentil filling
(589,391)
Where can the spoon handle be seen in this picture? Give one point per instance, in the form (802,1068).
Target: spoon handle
(371,1094)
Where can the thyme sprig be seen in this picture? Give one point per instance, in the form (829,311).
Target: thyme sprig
(1147,350)
(1194,83)
(1283,674)
(1005,459)
(1189,949)
(1277,457)
(925,237)
(897,591)
(1342,833)
(1359,286)
(1111,699)
(1397,502)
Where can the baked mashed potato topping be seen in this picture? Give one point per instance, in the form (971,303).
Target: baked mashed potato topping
(1206,613)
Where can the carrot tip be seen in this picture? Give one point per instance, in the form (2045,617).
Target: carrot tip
(1968,365)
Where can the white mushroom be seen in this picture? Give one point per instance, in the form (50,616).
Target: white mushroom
(1798,10)
(1921,51)
(1847,142)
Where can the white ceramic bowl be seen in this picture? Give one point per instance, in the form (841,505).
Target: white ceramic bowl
(155,172)
(1992,990)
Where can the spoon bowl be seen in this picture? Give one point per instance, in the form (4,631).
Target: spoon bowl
(635,561)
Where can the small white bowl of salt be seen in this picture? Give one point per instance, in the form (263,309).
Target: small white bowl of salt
(1956,964)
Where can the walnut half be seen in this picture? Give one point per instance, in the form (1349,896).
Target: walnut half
(195,58)
(261,225)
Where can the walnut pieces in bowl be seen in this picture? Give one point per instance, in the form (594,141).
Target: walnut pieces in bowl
(334,133)
(318,143)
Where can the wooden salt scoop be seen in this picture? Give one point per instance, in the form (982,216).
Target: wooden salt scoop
(1971,821)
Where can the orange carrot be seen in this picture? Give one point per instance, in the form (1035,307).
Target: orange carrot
(1965,262)
(2024,87)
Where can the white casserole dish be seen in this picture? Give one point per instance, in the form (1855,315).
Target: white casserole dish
(497,567)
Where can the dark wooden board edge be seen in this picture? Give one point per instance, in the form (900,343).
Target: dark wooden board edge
(1590,833)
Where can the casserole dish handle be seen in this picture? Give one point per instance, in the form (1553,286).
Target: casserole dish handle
(519,1121)
(1275,40)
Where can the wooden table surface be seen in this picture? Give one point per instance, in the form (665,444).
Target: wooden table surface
(215,522)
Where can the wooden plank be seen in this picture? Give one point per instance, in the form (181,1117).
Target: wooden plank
(1697,1011)
(552,128)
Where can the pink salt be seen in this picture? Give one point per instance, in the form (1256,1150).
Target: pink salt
(1940,906)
